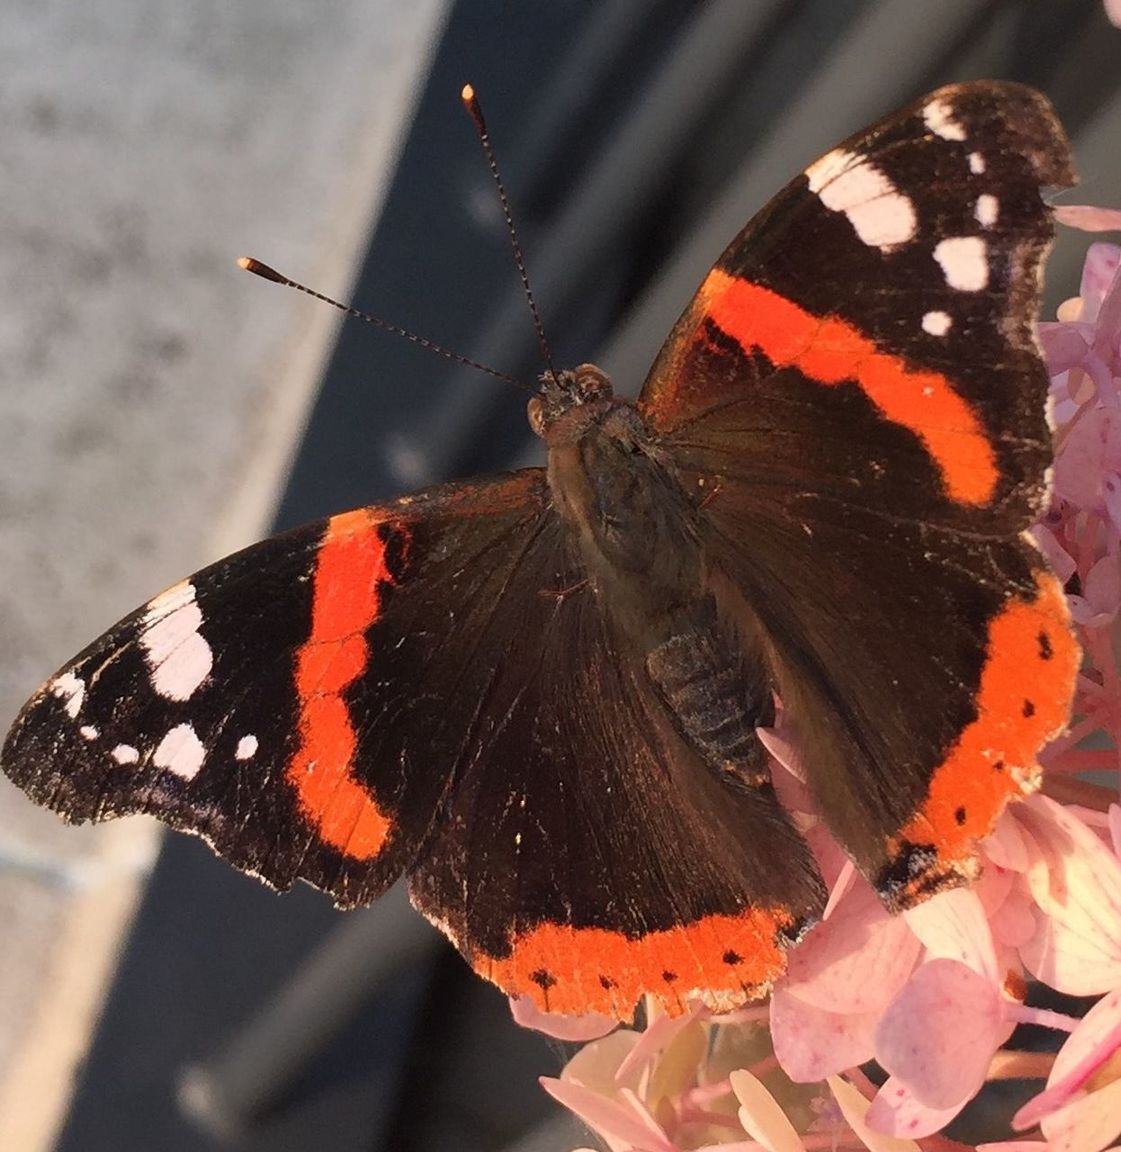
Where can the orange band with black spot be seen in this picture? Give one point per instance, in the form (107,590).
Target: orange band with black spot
(350,572)
(1024,699)
(722,960)
(829,351)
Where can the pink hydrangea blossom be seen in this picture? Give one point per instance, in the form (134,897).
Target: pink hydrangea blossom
(929,999)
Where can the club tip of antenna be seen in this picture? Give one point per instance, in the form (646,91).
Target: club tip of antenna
(471,103)
(259,269)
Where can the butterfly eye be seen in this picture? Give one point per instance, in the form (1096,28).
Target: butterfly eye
(592,384)
(535,413)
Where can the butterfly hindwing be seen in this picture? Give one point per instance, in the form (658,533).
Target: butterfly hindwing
(856,397)
(589,855)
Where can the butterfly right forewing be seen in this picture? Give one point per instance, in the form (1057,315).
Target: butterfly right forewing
(856,398)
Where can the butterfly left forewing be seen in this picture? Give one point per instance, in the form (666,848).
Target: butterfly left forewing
(275,703)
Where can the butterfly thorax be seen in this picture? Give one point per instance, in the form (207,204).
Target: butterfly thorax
(629,521)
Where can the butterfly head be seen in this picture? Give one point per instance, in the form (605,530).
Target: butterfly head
(569,401)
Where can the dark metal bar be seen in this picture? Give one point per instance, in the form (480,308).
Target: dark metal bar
(223,1095)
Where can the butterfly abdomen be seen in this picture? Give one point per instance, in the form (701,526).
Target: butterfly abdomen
(716,701)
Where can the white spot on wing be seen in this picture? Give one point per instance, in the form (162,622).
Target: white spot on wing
(72,689)
(246,747)
(181,752)
(170,601)
(937,323)
(939,118)
(829,167)
(976,163)
(964,261)
(986,210)
(125,754)
(88,731)
(881,215)
(178,657)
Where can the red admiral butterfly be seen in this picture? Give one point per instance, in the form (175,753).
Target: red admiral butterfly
(537,695)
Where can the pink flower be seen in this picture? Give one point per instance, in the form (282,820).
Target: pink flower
(1080,1109)
(840,980)
(590,1026)
(670,1088)
(1075,883)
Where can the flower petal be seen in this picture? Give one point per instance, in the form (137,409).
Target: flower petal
(896,1112)
(1005,845)
(1064,344)
(1076,883)
(1064,566)
(1087,1125)
(938,1036)
(855,1109)
(762,1116)
(622,1121)
(811,1043)
(1092,448)
(590,1026)
(1014,1146)
(1013,923)
(659,1033)
(597,1065)
(1098,273)
(857,959)
(952,925)
(1088,217)
(1080,1112)
(1102,585)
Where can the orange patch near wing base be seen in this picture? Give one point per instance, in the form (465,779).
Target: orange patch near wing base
(830,351)
(350,570)
(721,960)
(1024,700)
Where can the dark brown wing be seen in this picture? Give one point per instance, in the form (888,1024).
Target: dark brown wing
(856,397)
(588,855)
(426,685)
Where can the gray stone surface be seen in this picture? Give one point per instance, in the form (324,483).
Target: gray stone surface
(150,393)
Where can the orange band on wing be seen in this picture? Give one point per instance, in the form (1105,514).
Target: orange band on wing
(721,960)
(350,570)
(830,351)
(1024,700)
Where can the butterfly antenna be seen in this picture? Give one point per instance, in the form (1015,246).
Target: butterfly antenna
(267,273)
(475,111)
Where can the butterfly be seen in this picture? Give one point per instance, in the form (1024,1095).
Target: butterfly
(539,695)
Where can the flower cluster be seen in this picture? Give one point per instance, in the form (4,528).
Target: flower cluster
(886,1027)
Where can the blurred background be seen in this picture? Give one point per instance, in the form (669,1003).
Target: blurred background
(158,409)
